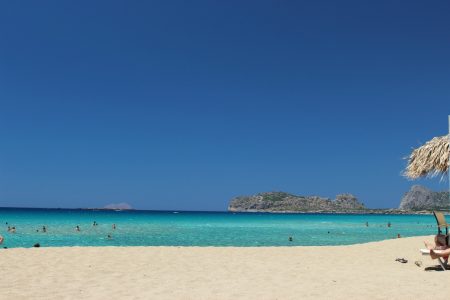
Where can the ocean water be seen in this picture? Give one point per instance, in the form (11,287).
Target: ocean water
(156,228)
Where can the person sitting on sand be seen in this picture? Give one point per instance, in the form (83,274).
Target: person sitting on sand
(443,253)
(439,244)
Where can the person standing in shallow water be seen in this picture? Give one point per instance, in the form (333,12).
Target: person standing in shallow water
(114,226)
(77,228)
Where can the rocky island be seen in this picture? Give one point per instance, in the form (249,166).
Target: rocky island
(418,200)
(285,202)
(118,206)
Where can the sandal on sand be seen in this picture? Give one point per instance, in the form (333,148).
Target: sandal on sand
(402,260)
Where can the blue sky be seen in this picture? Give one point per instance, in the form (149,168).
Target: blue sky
(186,104)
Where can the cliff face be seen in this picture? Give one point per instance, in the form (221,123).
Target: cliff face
(280,202)
(419,197)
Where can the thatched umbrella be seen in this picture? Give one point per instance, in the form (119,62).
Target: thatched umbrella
(429,160)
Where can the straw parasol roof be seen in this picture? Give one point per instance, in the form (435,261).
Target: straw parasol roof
(430,159)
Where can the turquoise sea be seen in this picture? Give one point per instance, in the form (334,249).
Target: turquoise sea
(167,228)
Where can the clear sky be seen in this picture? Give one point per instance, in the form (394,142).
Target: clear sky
(186,104)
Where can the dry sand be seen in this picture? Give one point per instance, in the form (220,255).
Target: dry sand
(365,271)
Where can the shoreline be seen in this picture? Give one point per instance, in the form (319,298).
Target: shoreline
(363,271)
(225,247)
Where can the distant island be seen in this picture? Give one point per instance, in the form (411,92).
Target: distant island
(121,206)
(418,200)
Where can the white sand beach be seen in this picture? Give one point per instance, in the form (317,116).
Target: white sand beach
(364,271)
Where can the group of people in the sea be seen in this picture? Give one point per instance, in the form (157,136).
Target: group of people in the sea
(12,229)
(291,239)
(109,236)
(77,228)
(389,225)
(44,229)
